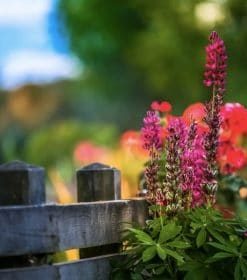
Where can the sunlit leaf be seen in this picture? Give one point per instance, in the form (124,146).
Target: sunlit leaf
(149,253)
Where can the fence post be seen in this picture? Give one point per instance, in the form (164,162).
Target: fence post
(98,182)
(21,184)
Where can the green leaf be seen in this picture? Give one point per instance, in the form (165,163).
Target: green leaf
(191,265)
(243,265)
(216,235)
(174,254)
(179,244)
(237,272)
(161,252)
(224,247)
(201,237)
(198,274)
(243,248)
(142,236)
(136,276)
(219,256)
(149,253)
(168,232)
(160,270)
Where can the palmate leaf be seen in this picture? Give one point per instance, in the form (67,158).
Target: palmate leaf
(142,236)
(219,256)
(243,265)
(238,272)
(201,237)
(149,253)
(174,254)
(178,244)
(169,231)
(215,234)
(225,248)
(243,248)
(161,252)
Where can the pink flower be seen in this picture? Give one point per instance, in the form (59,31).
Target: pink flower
(87,152)
(215,68)
(151,132)
(193,167)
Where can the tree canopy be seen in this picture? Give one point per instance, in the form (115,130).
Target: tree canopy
(136,51)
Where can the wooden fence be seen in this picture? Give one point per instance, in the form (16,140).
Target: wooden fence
(31,230)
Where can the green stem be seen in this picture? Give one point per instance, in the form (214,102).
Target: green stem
(161,218)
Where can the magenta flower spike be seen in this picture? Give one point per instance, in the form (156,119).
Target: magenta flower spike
(151,132)
(216,59)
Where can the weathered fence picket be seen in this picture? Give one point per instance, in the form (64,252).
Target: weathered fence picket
(31,229)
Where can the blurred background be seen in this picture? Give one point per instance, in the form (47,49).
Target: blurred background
(76,77)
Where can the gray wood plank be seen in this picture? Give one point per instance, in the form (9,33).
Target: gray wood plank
(52,228)
(97,268)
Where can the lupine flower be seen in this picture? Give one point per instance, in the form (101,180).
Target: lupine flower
(215,68)
(175,144)
(193,167)
(215,74)
(151,132)
(151,135)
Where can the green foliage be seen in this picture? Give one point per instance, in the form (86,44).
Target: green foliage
(52,144)
(133,47)
(198,244)
(228,192)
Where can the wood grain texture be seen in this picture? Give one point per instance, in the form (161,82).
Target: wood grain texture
(97,182)
(97,268)
(53,228)
(21,184)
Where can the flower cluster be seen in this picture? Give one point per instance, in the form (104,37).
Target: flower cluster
(151,132)
(231,155)
(193,168)
(163,107)
(184,237)
(175,145)
(216,58)
(191,143)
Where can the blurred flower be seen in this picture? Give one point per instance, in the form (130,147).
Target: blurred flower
(231,158)
(131,141)
(234,121)
(163,107)
(194,112)
(87,152)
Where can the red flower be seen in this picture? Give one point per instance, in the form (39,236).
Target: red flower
(131,141)
(163,107)
(231,158)
(194,112)
(234,122)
